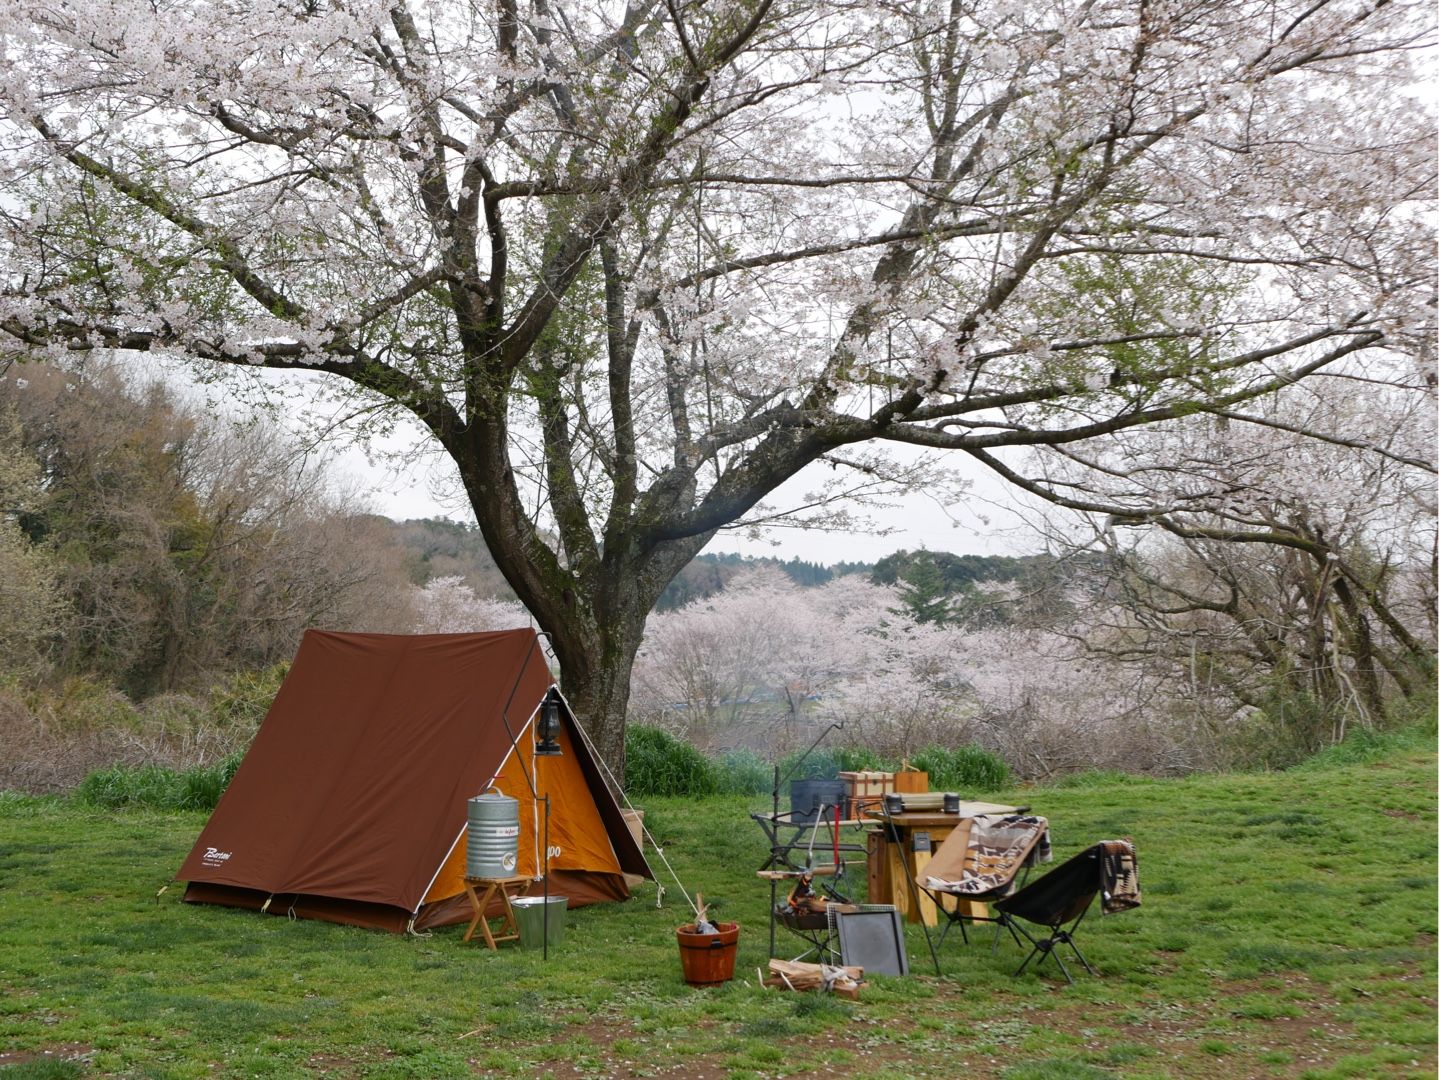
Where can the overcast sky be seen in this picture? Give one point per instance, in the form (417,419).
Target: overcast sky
(981,525)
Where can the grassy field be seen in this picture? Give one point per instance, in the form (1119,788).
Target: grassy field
(1288,930)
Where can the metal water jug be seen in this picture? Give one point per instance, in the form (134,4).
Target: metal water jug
(493,837)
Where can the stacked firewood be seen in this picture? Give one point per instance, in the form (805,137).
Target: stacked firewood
(833,979)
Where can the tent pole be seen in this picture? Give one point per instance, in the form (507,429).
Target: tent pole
(546,947)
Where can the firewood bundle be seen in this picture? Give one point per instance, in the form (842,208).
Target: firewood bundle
(799,976)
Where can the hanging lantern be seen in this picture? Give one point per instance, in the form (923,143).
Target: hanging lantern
(548,726)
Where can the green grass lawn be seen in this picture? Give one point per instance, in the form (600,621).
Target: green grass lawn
(1288,930)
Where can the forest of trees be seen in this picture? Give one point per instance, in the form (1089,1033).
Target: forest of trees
(158,566)
(640,274)
(155,549)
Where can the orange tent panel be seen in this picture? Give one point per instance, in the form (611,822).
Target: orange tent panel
(578,838)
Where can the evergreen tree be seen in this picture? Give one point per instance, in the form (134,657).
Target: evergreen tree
(923,593)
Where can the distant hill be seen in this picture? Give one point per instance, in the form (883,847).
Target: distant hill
(965,590)
(959,572)
(709,573)
(439,547)
(937,585)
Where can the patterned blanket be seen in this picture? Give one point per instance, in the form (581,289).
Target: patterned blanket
(1118,876)
(997,848)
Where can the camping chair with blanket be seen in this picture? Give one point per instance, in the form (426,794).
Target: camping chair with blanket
(1061,898)
(978,862)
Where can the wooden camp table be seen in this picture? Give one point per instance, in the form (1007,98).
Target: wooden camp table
(503,888)
(892,857)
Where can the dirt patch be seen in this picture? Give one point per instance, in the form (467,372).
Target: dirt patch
(334,1065)
(603,1032)
(60,1052)
(1186,1038)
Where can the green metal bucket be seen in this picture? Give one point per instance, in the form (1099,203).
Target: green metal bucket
(530,917)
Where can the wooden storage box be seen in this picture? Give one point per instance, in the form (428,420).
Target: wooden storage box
(860,805)
(865,790)
(911,780)
(867,783)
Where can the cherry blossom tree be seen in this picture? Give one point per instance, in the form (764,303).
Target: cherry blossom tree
(633,266)
(1291,563)
(767,664)
(446,605)
(750,657)
(764,661)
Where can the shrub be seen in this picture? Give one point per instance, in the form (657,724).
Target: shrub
(863,759)
(85,703)
(243,699)
(1415,730)
(743,772)
(656,763)
(823,763)
(1288,726)
(200,788)
(126,785)
(158,788)
(966,769)
(45,752)
(171,715)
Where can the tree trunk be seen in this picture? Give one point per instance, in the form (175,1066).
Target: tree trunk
(595,678)
(1361,648)
(596,643)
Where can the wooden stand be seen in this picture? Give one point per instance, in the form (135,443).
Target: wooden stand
(895,851)
(504,889)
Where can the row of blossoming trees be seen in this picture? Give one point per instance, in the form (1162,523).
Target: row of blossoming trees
(1222,593)
(1283,593)
(1113,678)
(161,550)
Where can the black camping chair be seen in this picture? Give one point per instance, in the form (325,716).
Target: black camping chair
(1061,898)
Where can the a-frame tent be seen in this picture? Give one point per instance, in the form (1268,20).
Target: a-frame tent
(351,803)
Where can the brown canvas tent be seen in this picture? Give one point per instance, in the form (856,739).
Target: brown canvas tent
(351,804)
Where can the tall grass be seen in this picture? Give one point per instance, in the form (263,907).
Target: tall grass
(743,772)
(656,763)
(965,769)
(821,763)
(157,787)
